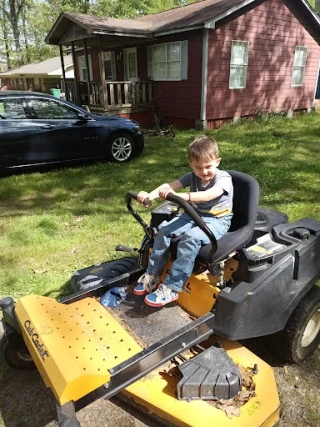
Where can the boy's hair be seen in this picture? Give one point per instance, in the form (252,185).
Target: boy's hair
(203,148)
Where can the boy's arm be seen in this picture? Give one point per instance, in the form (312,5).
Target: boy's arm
(160,191)
(203,196)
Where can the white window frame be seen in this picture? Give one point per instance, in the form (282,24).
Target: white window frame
(183,61)
(234,64)
(297,66)
(82,65)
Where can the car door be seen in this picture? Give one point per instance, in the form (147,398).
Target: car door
(19,136)
(65,135)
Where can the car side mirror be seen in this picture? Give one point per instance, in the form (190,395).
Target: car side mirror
(84,117)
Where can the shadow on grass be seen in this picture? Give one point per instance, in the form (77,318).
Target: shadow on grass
(282,156)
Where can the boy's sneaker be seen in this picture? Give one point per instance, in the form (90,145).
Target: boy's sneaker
(147,283)
(162,296)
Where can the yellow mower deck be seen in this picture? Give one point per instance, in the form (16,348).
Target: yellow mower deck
(75,345)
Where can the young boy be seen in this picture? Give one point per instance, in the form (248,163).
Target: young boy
(211,191)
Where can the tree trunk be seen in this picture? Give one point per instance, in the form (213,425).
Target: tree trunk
(26,43)
(5,32)
(7,48)
(14,17)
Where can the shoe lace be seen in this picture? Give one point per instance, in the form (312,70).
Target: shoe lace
(161,292)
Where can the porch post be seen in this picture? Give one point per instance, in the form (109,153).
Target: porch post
(75,74)
(63,72)
(103,77)
(87,66)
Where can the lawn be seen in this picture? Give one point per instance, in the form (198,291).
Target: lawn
(55,222)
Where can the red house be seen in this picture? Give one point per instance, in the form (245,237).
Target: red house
(199,64)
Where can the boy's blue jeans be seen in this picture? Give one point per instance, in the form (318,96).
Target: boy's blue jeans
(189,245)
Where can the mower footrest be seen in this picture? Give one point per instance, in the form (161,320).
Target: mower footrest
(210,375)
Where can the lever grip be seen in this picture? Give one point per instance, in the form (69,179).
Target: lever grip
(133,195)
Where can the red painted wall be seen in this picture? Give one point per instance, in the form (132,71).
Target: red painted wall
(273,32)
(182,99)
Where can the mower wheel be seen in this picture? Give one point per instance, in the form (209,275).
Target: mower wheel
(121,266)
(15,353)
(87,278)
(301,335)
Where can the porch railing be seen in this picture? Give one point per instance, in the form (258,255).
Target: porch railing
(118,95)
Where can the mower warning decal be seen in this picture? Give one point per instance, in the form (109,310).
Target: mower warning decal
(35,339)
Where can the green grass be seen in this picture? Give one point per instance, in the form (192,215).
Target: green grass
(54,222)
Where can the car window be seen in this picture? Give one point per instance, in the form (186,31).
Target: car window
(47,109)
(12,109)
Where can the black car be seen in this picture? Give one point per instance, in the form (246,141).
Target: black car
(39,129)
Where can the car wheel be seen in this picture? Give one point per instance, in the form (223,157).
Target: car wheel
(16,355)
(120,148)
(301,335)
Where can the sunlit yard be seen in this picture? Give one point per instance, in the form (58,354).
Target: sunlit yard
(54,222)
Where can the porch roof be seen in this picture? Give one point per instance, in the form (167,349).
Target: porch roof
(200,14)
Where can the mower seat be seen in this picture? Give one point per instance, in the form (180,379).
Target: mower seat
(245,207)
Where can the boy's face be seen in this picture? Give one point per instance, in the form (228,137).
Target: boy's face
(205,169)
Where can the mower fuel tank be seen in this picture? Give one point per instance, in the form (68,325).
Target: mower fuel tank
(273,276)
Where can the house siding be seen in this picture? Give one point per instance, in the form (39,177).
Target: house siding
(273,32)
(182,99)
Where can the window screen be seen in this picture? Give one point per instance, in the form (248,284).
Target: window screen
(238,65)
(299,65)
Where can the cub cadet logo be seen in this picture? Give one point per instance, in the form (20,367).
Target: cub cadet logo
(35,339)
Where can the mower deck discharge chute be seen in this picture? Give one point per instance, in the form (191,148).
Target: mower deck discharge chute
(182,368)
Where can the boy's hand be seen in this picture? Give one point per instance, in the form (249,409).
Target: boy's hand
(143,195)
(164,190)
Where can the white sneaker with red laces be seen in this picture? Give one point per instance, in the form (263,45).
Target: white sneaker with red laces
(147,283)
(162,296)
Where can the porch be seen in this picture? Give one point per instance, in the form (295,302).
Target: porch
(118,97)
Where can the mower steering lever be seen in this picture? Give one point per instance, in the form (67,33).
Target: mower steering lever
(195,217)
(133,195)
(183,204)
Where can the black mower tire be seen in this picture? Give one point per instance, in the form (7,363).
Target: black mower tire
(122,266)
(293,341)
(120,148)
(13,356)
(112,269)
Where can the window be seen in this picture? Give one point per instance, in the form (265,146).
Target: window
(238,65)
(83,68)
(12,109)
(37,86)
(299,65)
(109,62)
(47,109)
(168,61)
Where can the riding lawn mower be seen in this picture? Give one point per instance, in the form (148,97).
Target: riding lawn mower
(182,364)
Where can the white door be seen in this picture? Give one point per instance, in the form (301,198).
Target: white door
(130,64)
